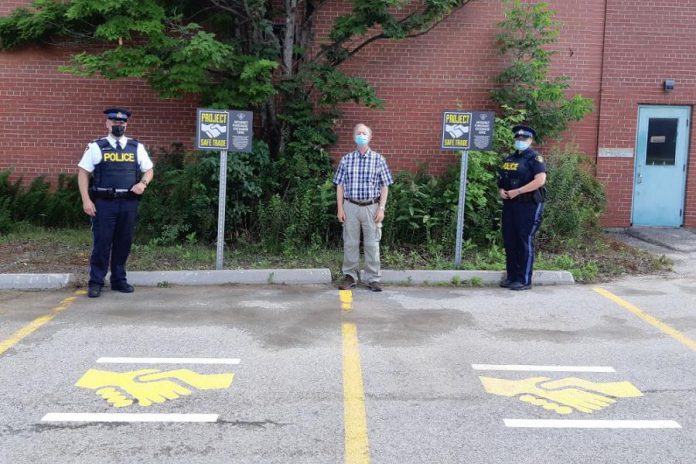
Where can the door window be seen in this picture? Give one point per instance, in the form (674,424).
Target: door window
(662,142)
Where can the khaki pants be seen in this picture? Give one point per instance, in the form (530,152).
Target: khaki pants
(361,218)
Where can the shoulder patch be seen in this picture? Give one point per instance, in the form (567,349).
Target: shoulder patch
(539,158)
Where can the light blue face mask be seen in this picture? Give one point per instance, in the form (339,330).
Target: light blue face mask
(522,145)
(361,139)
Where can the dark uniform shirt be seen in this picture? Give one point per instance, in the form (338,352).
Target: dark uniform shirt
(519,169)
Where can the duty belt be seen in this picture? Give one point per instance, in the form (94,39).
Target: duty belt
(363,203)
(113,194)
(525,198)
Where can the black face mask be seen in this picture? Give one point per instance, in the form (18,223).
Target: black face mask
(118,131)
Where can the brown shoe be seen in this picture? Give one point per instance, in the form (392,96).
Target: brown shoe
(375,286)
(347,282)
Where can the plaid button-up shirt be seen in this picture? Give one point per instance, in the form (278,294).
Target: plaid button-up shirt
(362,176)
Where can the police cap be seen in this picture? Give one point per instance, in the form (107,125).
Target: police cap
(117,114)
(523,131)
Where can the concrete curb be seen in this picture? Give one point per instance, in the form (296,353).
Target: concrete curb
(242,276)
(34,281)
(275,276)
(485,277)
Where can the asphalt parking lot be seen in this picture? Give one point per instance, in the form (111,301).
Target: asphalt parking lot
(309,374)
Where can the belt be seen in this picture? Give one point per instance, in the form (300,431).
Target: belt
(112,194)
(99,189)
(363,203)
(523,198)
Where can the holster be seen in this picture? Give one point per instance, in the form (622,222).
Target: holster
(539,195)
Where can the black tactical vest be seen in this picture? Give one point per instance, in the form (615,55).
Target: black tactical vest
(118,169)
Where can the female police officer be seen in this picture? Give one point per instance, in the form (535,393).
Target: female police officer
(521,179)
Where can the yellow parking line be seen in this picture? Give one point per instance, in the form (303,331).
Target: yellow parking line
(346,297)
(669,330)
(355,419)
(38,322)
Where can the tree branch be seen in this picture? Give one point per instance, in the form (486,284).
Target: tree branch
(381,36)
(225,6)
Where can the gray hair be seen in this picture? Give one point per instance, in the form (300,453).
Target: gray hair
(369,131)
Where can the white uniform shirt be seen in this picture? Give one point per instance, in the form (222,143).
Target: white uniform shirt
(93,155)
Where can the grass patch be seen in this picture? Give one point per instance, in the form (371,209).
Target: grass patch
(34,249)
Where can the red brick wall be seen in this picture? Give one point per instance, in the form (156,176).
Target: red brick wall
(457,62)
(8,6)
(646,43)
(47,116)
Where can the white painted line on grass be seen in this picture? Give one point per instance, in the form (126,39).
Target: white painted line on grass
(169,360)
(592,424)
(527,367)
(126,417)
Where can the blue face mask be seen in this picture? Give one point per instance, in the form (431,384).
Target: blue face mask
(522,145)
(361,139)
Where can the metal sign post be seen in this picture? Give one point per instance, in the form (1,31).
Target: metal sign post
(222,197)
(460,208)
(464,130)
(213,131)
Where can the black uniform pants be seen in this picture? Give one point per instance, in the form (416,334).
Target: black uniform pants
(521,221)
(112,232)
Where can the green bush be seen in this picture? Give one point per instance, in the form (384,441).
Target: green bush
(306,217)
(183,198)
(39,204)
(64,206)
(420,209)
(5,216)
(575,201)
(284,217)
(30,204)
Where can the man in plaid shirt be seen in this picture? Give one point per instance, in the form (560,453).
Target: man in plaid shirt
(362,182)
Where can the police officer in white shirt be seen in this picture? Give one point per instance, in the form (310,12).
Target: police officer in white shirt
(114,173)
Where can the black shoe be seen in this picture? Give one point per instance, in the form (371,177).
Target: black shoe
(375,286)
(94,292)
(505,283)
(346,283)
(125,288)
(519,286)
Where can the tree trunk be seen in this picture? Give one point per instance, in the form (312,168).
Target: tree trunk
(289,42)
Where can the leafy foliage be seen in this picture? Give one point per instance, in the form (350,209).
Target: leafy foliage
(527,29)
(575,201)
(183,202)
(38,204)
(229,53)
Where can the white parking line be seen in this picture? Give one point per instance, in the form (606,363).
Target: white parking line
(169,360)
(127,417)
(528,367)
(592,424)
